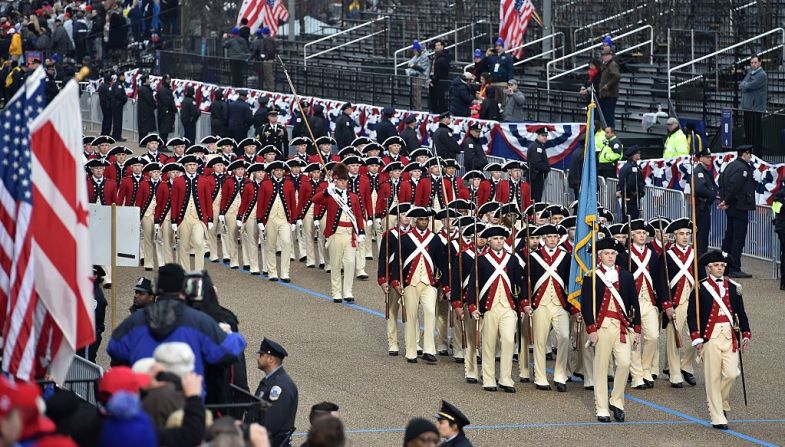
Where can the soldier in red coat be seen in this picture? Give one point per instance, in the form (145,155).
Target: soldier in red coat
(390,193)
(151,200)
(250,147)
(227,149)
(514,189)
(360,186)
(434,191)
(102,191)
(102,146)
(128,191)
(152,142)
(307,216)
(169,173)
(118,168)
(217,175)
(275,216)
(324,145)
(489,186)
(228,214)
(473,181)
(191,213)
(295,166)
(246,219)
(344,228)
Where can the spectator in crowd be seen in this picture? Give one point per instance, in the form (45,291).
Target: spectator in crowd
(237,52)
(444,144)
(117,43)
(320,125)
(676,144)
(439,72)
(779,228)
(514,103)
(576,171)
(608,92)
(611,151)
(409,134)
(473,153)
(240,117)
(189,115)
(81,33)
(323,409)
(385,128)
(145,108)
(418,69)
(37,429)
(245,30)
(170,16)
(126,424)
(225,432)
(501,69)
(260,115)
(96,36)
(143,294)
(481,62)
(344,126)
(754,91)
(219,115)
(10,414)
(119,98)
(592,80)
(61,42)
(51,87)
(167,110)
(300,129)
(163,391)
(461,94)
(326,431)
(105,102)
(15,49)
(489,107)
(264,49)
(419,433)
(737,198)
(171,319)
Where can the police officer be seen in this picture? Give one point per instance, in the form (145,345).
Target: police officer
(538,165)
(450,424)
(344,126)
(631,187)
(706,191)
(277,389)
(737,194)
(386,129)
(611,151)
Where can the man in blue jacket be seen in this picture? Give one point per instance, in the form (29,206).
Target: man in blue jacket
(171,319)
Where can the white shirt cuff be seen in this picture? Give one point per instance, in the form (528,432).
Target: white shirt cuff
(697,341)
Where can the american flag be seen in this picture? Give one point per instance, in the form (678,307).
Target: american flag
(514,16)
(45,284)
(267,13)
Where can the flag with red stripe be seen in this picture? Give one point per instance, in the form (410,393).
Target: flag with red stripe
(269,13)
(514,16)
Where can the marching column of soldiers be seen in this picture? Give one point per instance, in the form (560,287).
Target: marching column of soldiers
(474,266)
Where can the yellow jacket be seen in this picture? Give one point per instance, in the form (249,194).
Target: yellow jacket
(676,145)
(15,49)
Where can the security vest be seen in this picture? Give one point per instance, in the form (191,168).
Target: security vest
(676,145)
(611,152)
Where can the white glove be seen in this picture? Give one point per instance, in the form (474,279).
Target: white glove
(239,223)
(157,228)
(209,225)
(368,224)
(294,226)
(299,222)
(174,227)
(361,238)
(378,226)
(317,224)
(330,188)
(222,219)
(261,227)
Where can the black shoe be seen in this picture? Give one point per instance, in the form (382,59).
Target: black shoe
(337,300)
(286,280)
(471,380)
(561,387)
(227,260)
(641,387)
(246,267)
(236,267)
(666,371)
(369,258)
(278,253)
(303,259)
(443,353)
(720,426)
(310,266)
(654,376)
(108,285)
(689,378)
(274,279)
(363,277)
(321,266)
(430,359)
(515,358)
(215,260)
(782,286)
(349,299)
(579,375)
(610,378)
(392,353)
(419,353)
(725,413)
(543,387)
(508,389)
(265,273)
(524,380)
(677,385)
(489,388)
(148,269)
(255,273)
(738,274)
(589,388)
(479,360)
(605,419)
(649,383)
(618,414)
(459,360)
(411,360)
(549,356)
(207,254)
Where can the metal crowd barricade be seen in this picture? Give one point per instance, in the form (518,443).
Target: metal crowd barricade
(608,199)
(601,188)
(663,202)
(556,188)
(82,379)
(761,242)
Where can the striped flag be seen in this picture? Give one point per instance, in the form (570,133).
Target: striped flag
(267,13)
(514,18)
(48,311)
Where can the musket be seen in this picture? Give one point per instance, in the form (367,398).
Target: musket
(476,287)
(460,285)
(676,335)
(300,108)
(528,263)
(400,262)
(741,358)
(387,267)
(694,229)
(449,232)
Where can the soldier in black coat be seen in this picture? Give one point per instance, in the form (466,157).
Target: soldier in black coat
(631,187)
(219,116)
(474,157)
(166,109)
(443,142)
(737,195)
(277,389)
(409,135)
(706,191)
(105,101)
(344,126)
(189,115)
(385,128)
(145,109)
(539,167)
(119,98)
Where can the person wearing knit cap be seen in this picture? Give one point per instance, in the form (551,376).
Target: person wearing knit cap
(418,69)
(175,357)
(126,424)
(420,432)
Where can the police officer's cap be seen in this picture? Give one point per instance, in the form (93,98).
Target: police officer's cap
(150,167)
(209,139)
(450,413)
(488,207)
(461,204)
(395,139)
(372,146)
(679,224)
(173,166)
(103,139)
(237,164)
(144,285)
(417,212)
(216,160)
(706,152)
(445,213)
(444,115)
(402,207)
(296,141)
(472,175)
(312,167)
(345,106)
(474,126)
(410,118)
(196,149)
(640,224)
(569,222)
(712,257)
(119,150)
(547,229)
(227,142)
(494,231)
(272,348)
(542,131)
(272,112)
(325,140)
(388,111)
(96,163)
(632,150)
(393,166)
(739,150)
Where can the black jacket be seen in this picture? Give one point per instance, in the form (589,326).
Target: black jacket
(458,441)
(119,98)
(473,154)
(537,158)
(145,109)
(411,139)
(105,96)
(489,109)
(440,68)
(631,180)
(779,218)
(166,110)
(344,130)
(300,129)
(385,129)
(280,391)
(444,144)
(576,169)
(706,188)
(240,115)
(737,186)
(189,115)
(461,97)
(219,118)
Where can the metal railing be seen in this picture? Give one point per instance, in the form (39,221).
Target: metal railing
(636,31)
(724,50)
(341,33)
(556,190)
(455,43)
(553,49)
(663,202)
(576,44)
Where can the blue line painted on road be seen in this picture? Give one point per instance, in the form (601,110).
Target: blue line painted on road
(672,412)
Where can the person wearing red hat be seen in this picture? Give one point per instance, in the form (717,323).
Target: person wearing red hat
(10,414)
(37,429)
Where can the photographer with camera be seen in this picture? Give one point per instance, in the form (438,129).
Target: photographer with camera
(169,319)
